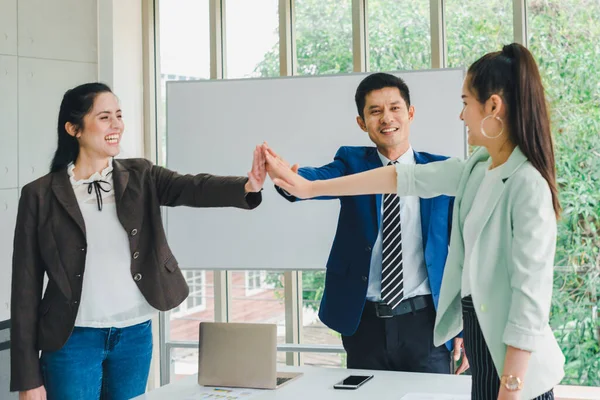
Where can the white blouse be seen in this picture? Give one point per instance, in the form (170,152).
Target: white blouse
(491,178)
(110,297)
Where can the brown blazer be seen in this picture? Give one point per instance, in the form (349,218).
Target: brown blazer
(50,238)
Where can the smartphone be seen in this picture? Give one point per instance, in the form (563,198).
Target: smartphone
(352,382)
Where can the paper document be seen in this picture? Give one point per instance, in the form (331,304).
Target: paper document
(435,396)
(219,393)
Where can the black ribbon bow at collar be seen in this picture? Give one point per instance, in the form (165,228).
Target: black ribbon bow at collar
(97,187)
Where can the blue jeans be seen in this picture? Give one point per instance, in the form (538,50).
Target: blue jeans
(99,363)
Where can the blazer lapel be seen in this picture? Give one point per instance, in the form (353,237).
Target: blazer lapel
(120,180)
(126,210)
(63,190)
(373,161)
(516,159)
(448,317)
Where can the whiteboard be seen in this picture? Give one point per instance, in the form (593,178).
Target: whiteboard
(213,126)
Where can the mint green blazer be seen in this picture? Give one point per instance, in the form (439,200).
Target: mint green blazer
(512,263)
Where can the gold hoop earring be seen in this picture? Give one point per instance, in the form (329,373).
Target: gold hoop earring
(483,130)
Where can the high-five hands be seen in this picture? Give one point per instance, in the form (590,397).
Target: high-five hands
(258,173)
(286,177)
(272,173)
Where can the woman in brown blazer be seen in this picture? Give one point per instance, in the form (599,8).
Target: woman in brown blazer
(93,227)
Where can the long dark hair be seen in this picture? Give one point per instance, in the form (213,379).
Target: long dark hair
(75,105)
(513,74)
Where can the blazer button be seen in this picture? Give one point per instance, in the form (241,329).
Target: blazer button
(368,248)
(483,308)
(82,249)
(136,255)
(78,276)
(137,277)
(364,278)
(134,232)
(75,302)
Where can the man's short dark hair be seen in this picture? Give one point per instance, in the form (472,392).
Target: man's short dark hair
(378,81)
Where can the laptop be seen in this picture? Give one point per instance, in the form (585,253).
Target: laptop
(240,355)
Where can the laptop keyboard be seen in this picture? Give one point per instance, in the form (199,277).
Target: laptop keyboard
(281,380)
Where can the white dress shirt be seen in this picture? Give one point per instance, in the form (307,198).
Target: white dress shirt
(110,297)
(416,281)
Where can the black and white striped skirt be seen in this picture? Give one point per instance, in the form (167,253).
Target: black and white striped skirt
(485,378)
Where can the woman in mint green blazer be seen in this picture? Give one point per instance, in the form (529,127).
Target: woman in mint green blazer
(497,283)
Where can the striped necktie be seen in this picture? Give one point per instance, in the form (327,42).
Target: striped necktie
(392,279)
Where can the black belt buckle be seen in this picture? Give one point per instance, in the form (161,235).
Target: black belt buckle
(382,310)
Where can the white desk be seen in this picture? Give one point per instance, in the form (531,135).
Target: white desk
(317,384)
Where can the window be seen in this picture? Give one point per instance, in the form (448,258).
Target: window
(184,38)
(323,36)
(476,27)
(258,296)
(199,306)
(196,300)
(399,35)
(563,36)
(182,322)
(256,282)
(252,48)
(314,332)
(184,49)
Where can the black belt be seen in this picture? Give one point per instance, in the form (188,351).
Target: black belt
(413,304)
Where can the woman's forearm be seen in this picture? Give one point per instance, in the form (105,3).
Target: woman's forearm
(376,181)
(516,362)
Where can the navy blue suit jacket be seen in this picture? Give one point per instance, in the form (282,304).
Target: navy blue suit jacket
(349,261)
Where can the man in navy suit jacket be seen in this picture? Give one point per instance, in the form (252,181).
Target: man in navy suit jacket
(377,335)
